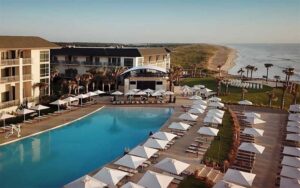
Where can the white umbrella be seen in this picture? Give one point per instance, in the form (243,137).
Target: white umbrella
(135,90)
(205,90)
(216,104)
(163,136)
(24,111)
(132,185)
(293,123)
(81,96)
(218,115)
(129,93)
(245,102)
(216,111)
(201,106)
(70,99)
(208,131)
(290,172)
(290,183)
(143,151)
(196,111)
(195,97)
(168,93)
(254,120)
(293,129)
(293,151)
(5,116)
(253,131)
(294,117)
(294,108)
(188,117)
(156,144)
(185,87)
(202,102)
(212,119)
(172,165)
(91,94)
(162,91)
(252,114)
(239,177)
(141,93)
(86,182)
(225,184)
(110,176)
(99,92)
(117,93)
(155,180)
(156,93)
(179,126)
(58,103)
(251,147)
(293,137)
(215,99)
(130,161)
(149,90)
(39,108)
(291,161)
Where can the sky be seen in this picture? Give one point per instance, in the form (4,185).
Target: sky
(154,21)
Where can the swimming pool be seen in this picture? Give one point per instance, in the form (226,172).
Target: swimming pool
(56,157)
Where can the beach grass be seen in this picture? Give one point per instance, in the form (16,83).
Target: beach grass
(192,182)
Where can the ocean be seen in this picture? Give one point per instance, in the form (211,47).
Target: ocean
(280,55)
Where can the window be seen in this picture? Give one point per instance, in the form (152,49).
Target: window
(45,90)
(128,62)
(114,61)
(44,56)
(159,83)
(44,70)
(132,82)
(97,59)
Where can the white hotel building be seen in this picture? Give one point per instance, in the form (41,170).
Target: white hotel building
(24,62)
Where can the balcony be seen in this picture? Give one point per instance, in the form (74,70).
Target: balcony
(26,77)
(8,79)
(9,62)
(9,104)
(26,61)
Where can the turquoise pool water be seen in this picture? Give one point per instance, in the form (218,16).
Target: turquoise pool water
(57,157)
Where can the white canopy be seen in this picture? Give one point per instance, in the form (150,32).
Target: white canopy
(168,93)
(254,120)
(201,106)
(293,123)
(252,114)
(91,94)
(293,129)
(130,92)
(4,116)
(293,137)
(24,111)
(294,108)
(70,99)
(212,119)
(131,185)
(294,117)
(110,176)
(205,90)
(149,90)
(155,143)
(216,104)
(59,102)
(196,111)
(179,126)
(215,99)
(164,136)
(253,131)
(86,182)
(225,184)
(290,172)
(39,108)
(117,93)
(216,111)
(289,183)
(239,177)
(130,161)
(218,115)
(251,147)
(171,165)
(141,93)
(81,96)
(188,117)
(99,92)
(294,151)
(143,151)
(195,97)
(155,180)
(208,131)
(291,161)
(156,93)
(245,102)
(202,102)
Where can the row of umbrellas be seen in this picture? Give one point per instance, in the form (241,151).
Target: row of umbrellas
(147,92)
(293,124)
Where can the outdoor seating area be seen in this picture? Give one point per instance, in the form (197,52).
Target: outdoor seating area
(243,84)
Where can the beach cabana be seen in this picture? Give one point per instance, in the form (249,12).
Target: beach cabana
(208,131)
(131,185)
(253,132)
(155,180)
(164,136)
(188,117)
(294,108)
(86,182)
(225,184)
(245,102)
(39,108)
(172,165)
(110,176)
(252,114)
(130,161)
(143,151)
(195,97)
(58,103)
(212,120)
(202,102)
(251,147)
(179,126)
(290,172)
(293,137)
(156,144)
(196,111)
(291,161)
(293,151)
(25,111)
(254,120)
(5,116)
(239,177)
(289,183)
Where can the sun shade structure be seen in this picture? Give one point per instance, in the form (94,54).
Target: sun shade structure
(215,99)
(110,176)
(239,177)
(251,147)
(196,111)
(164,136)
(91,94)
(149,90)
(130,161)
(293,137)
(216,104)
(172,165)
(212,120)
(245,102)
(5,116)
(70,99)
(168,93)
(252,114)
(294,117)
(82,96)
(205,90)
(293,129)
(155,180)
(141,93)
(290,172)
(253,131)
(294,108)
(218,115)
(179,126)
(199,106)
(195,97)
(99,92)
(188,117)
(132,185)
(86,182)
(25,111)
(208,131)
(216,111)
(291,161)
(289,183)
(254,120)
(202,102)
(156,94)
(58,103)
(224,184)
(39,108)
(143,151)
(117,93)
(130,93)
(293,151)
(156,144)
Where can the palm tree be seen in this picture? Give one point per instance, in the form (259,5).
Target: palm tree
(271,96)
(115,73)
(241,72)
(54,73)
(268,65)
(86,79)
(288,73)
(41,86)
(174,74)
(277,78)
(252,69)
(248,67)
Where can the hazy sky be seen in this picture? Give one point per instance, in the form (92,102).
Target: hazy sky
(130,21)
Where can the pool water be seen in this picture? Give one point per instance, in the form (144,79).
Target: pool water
(54,158)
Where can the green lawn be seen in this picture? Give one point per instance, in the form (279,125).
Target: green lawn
(220,148)
(191,182)
(258,97)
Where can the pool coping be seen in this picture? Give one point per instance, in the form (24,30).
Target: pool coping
(56,127)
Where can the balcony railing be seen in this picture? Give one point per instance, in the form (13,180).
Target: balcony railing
(9,104)
(9,79)
(26,61)
(9,62)
(27,77)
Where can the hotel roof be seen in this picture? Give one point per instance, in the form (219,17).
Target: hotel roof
(25,42)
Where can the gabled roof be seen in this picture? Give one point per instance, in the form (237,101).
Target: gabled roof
(25,42)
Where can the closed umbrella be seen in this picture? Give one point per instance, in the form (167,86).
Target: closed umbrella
(24,111)
(39,108)
(172,165)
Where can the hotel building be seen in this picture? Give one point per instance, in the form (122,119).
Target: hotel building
(24,63)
